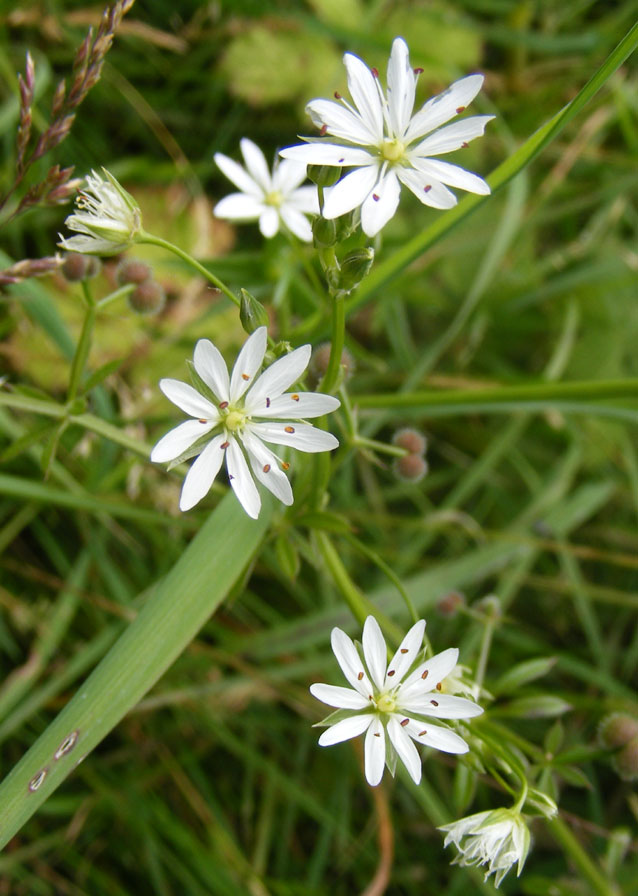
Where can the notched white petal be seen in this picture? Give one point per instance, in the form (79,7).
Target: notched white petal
(374,752)
(342,698)
(345,730)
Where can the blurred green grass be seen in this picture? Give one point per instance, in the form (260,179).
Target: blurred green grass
(214,784)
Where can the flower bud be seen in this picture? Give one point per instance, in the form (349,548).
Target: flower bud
(617,729)
(410,440)
(148,298)
(626,761)
(354,267)
(347,224)
(319,363)
(132,270)
(324,175)
(450,603)
(410,468)
(324,233)
(80,267)
(252,313)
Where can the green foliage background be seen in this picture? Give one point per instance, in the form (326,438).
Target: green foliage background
(214,783)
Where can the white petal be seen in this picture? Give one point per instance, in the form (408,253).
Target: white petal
(406,750)
(406,654)
(256,163)
(345,730)
(321,153)
(341,122)
(178,440)
(269,222)
(350,191)
(380,205)
(265,467)
(189,400)
(364,92)
(452,175)
(374,651)
(202,473)
(288,175)
(302,436)
(296,223)
(429,191)
(446,105)
(237,175)
(210,365)
(342,698)
(241,481)
(278,377)
(296,406)
(248,363)
(452,137)
(239,207)
(442,706)
(401,87)
(430,673)
(374,752)
(436,737)
(304,199)
(350,663)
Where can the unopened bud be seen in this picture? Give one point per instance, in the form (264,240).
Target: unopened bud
(252,313)
(347,224)
(77,267)
(626,761)
(450,603)
(319,363)
(354,267)
(148,298)
(324,175)
(410,440)
(324,233)
(410,468)
(617,729)
(132,270)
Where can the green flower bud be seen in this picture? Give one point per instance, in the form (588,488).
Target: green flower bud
(626,761)
(324,175)
(354,267)
(324,233)
(617,729)
(252,313)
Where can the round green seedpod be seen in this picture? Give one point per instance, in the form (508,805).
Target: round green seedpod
(410,440)
(324,175)
(132,270)
(625,761)
(324,233)
(148,298)
(410,468)
(354,267)
(252,313)
(617,729)
(77,267)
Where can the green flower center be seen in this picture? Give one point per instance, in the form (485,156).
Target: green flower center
(392,150)
(234,420)
(274,198)
(386,703)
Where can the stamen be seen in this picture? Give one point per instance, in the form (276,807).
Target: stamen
(245,376)
(295,397)
(434,702)
(404,722)
(201,420)
(285,465)
(404,650)
(341,161)
(223,405)
(359,676)
(224,445)
(337,95)
(418,71)
(425,675)
(289,429)
(421,733)
(376,734)
(438,687)
(427,188)
(266,468)
(460,109)
(464,145)
(323,130)
(391,673)
(267,402)
(375,72)
(376,197)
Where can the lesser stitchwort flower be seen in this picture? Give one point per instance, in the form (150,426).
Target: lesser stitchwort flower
(387,145)
(498,839)
(394,703)
(235,415)
(273,198)
(107,218)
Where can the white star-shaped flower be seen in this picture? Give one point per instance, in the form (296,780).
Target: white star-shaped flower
(393,703)
(234,416)
(273,198)
(387,145)
(107,218)
(498,839)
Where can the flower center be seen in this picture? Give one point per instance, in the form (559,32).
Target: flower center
(386,703)
(234,420)
(274,198)
(392,150)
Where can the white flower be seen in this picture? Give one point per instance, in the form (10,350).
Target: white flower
(499,838)
(393,704)
(233,417)
(272,199)
(387,145)
(107,218)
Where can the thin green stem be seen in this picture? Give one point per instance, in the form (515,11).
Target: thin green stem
(599,883)
(491,615)
(152,240)
(122,292)
(336,343)
(84,344)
